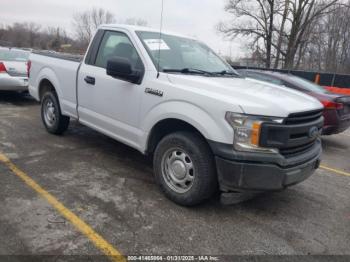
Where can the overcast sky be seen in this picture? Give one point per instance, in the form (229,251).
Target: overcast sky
(189,17)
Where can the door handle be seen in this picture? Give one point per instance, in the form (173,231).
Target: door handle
(90,80)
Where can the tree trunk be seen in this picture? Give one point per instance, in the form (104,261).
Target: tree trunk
(269,35)
(281,31)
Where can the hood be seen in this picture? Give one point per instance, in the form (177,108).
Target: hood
(253,96)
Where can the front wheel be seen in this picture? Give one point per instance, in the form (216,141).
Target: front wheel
(54,121)
(184,168)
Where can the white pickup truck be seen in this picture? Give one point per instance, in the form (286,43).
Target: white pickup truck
(207,128)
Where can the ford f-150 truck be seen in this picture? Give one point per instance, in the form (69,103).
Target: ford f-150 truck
(171,96)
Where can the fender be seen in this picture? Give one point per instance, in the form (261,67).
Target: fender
(199,118)
(49,74)
(68,107)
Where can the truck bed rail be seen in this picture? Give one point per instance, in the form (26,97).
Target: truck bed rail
(64,56)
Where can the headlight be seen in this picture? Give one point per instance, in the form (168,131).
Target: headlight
(246,129)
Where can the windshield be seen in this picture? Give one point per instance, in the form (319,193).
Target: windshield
(308,85)
(179,53)
(13,55)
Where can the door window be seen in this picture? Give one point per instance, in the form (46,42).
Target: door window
(117,44)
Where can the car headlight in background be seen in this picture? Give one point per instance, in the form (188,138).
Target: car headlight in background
(246,129)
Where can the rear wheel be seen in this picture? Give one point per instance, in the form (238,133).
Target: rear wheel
(184,168)
(54,121)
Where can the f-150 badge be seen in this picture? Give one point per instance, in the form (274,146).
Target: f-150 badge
(154,92)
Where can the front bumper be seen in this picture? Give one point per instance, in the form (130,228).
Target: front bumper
(255,172)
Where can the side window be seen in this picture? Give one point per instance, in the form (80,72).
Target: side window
(116,44)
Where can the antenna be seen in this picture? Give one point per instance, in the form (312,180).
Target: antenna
(160,37)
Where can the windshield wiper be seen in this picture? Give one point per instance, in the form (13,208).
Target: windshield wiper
(188,71)
(201,72)
(225,72)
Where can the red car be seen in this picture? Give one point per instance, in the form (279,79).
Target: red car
(336,106)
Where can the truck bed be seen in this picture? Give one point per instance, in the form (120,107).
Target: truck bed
(62,70)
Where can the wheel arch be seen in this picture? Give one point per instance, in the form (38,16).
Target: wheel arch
(165,127)
(47,80)
(45,85)
(180,115)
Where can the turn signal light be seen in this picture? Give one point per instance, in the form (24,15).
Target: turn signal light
(332,105)
(255,133)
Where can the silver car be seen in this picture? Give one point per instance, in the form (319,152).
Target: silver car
(13,69)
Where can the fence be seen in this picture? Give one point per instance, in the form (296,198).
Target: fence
(325,79)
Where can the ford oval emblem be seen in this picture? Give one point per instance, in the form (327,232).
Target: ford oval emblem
(313,132)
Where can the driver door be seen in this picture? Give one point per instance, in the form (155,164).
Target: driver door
(107,104)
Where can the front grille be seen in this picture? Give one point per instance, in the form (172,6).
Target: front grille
(305,117)
(296,135)
(294,151)
(301,119)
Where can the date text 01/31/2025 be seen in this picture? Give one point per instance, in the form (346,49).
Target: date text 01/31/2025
(172,258)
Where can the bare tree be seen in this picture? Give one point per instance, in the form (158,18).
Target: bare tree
(281,32)
(253,18)
(32,30)
(277,27)
(303,14)
(85,23)
(31,35)
(329,45)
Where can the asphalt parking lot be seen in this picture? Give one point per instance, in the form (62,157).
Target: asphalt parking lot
(111,188)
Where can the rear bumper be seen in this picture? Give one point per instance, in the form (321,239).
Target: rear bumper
(9,83)
(258,173)
(340,127)
(335,123)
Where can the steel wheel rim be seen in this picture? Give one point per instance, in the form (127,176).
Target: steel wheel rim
(178,170)
(49,113)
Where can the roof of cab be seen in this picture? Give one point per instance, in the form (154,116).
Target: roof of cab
(134,28)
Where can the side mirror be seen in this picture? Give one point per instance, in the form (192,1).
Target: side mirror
(121,68)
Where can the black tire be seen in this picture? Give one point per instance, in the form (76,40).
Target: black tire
(59,122)
(204,183)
